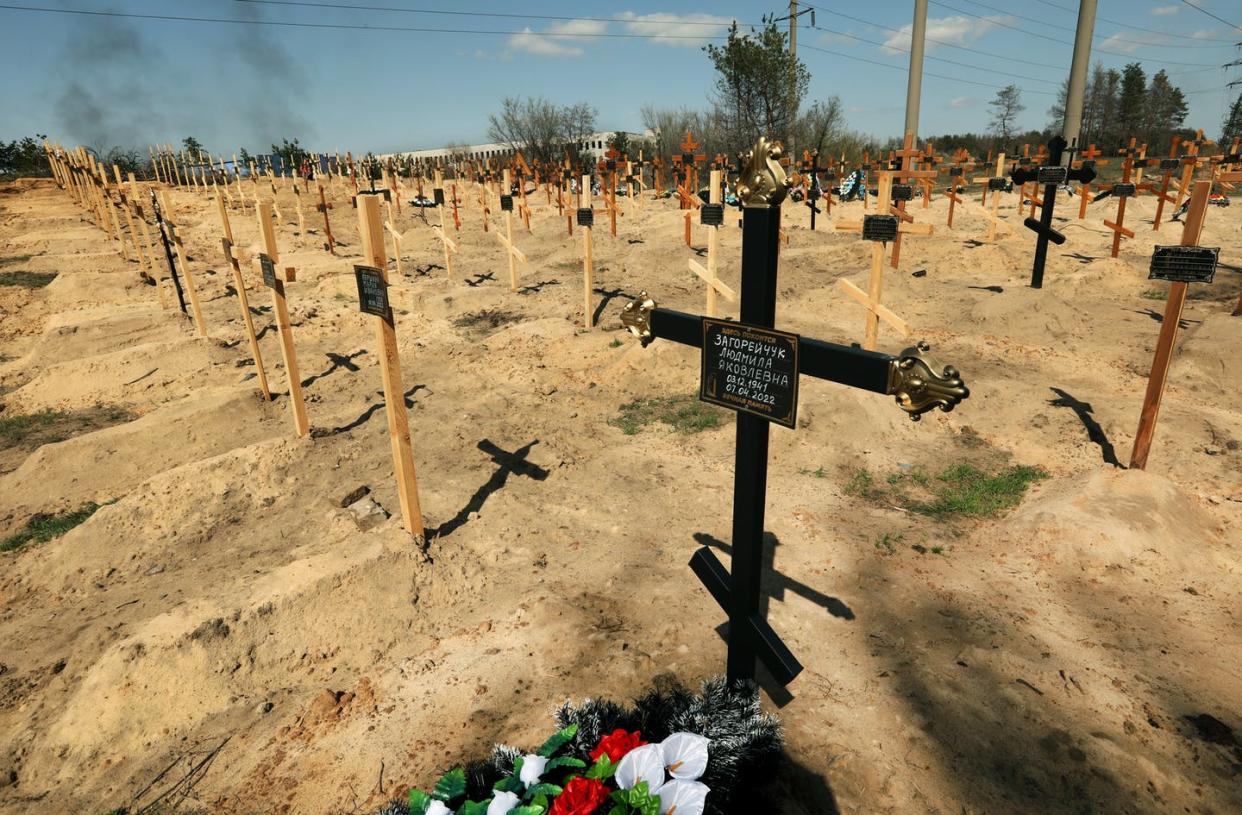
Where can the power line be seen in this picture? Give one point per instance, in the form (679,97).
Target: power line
(1112,37)
(1135,27)
(937,59)
(1064,42)
(507,15)
(350,27)
(925,73)
(1213,16)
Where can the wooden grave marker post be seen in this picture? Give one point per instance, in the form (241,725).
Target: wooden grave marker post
(168,252)
(1181,265)
(586,220)
(397,237)
(373,299)
(323,206)
(905,192)
(147,240)
(511,251)
(266,264)
(1051,175)
(440,231)
(880,229)
(243,299)
(127,208)
(1190,163)
(753,369)
(1122,191)
(1167,166)
(957,173)
(174,235)
(1089,158)
(712,217)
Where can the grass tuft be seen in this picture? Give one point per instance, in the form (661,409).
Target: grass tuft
(685,414)
(961,490)
(9,260)
(1154,294)
(42,528)
(27,280)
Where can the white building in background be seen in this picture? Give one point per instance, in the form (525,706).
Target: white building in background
(595,146)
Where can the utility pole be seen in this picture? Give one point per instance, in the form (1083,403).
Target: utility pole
(914,85)
(794,14)
(1078,77)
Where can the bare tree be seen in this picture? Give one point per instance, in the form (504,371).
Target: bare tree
(820,125)
(1005,109)
(539,128)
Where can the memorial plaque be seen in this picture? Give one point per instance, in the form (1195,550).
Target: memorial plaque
(269,271)
(1183,264)
(902,192)
(880,228)
(996,184)
(1052,175)
(586,216)
(438,196)
(372,292)
(1124,190)
(712,215)
(506,203)
(751,370)
(1170,163)
(955,171)
(1026,161)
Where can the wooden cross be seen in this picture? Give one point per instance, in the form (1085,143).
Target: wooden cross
(390,370)
(688,162)
(714,283)
(930,161)
(448,245)
(280,308)
(136,203)
(511,251)
(1180,274)
(174,236)
(1122,191)
(1167,166)
(608,170)
(751,368)
(1190,162)
(323,207)
(586,220)
(879,229)
(908,154)
(1225,160)
(688,202)
(961,163)
(1089,158)
(397,237)
(1051,175)
(243,299)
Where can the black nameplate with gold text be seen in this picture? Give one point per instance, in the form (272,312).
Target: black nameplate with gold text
(1124,190)
(372,292)
(751,370)
(997,183)
(1183,264)
(881,228)
(269,271)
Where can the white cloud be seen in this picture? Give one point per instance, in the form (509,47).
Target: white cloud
(831,38)
(697,27)
(1164,11)
(963,102)
(1129,43)
(558,40)
(956,30)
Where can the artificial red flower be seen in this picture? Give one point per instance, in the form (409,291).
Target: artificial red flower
(581,796)
(616,744)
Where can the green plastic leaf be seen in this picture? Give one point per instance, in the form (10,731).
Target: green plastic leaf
(419,801)
(510,784)
(474,807)
(619,809)
(564,761)
(539,801)
(602,768)
(544,789)
(529,809)
(558,740)
(451,785)
(637,799)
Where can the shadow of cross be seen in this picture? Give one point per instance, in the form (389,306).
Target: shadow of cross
(1094,432)
(338,361)
(514,463)
(609,295)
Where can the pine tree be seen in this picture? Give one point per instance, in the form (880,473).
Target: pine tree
(1231,128)
(1131,107)
(1165,112)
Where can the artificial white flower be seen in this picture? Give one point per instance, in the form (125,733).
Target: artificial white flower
(532,768)
(644,763)
(685,755)
(679,797)
(503,802)
(438,808)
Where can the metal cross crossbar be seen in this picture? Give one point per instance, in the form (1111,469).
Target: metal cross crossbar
(753,369)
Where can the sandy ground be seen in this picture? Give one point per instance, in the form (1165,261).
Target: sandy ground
(226,614)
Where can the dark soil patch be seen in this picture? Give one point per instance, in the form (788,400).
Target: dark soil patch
(20,435)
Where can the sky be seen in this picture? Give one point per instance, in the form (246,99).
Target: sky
(233,79)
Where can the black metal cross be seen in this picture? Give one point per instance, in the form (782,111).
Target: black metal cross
(1051,175)
(913,377)
(813,191)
